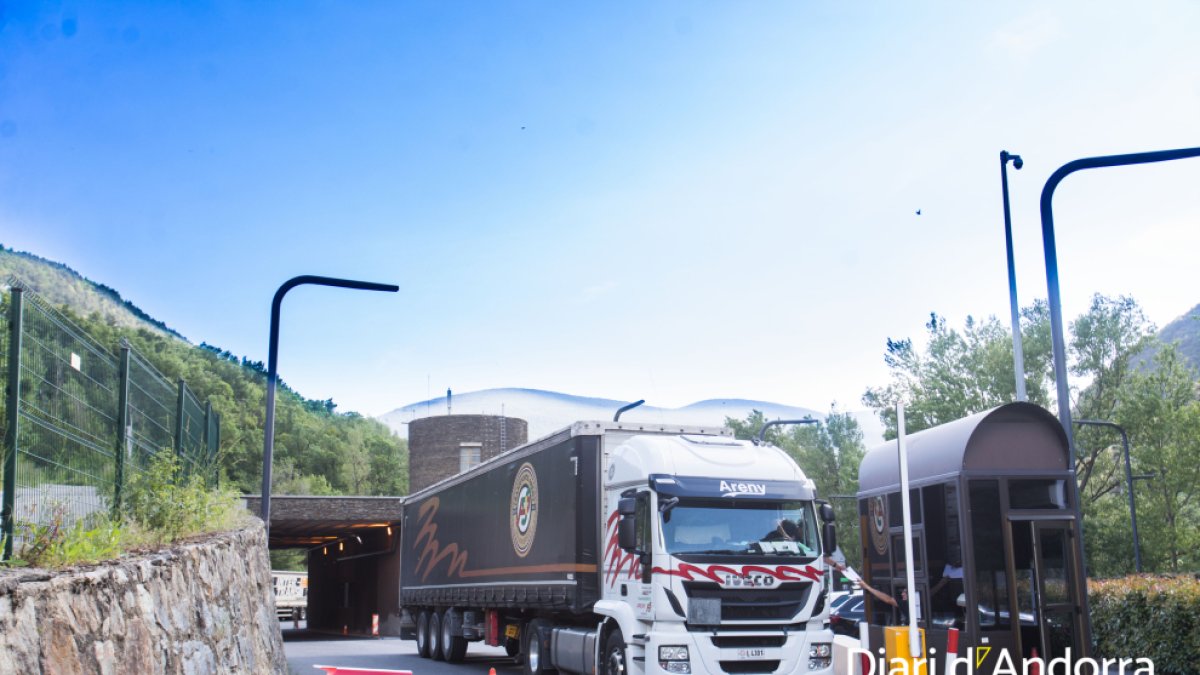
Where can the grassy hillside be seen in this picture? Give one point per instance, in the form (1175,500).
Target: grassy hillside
(317,449)
(61,285)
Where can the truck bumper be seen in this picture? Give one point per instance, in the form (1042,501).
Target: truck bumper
(765,651)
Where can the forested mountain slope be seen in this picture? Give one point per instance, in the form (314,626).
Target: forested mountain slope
(317,449)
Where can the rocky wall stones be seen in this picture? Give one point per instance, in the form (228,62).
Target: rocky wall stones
(200,607)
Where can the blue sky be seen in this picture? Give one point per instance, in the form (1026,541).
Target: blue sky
(672,201)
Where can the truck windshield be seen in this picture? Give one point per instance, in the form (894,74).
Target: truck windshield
(740,527)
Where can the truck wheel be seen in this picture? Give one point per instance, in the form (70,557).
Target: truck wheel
(454,647)
(435,637)
(423,634)
(537,648)
(614,654)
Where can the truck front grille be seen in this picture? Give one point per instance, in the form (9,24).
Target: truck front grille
(749,666)
(782,602)
(748,641)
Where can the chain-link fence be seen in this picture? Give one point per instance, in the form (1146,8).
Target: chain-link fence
(79,420)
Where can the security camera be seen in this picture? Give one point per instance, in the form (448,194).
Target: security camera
(1017,162)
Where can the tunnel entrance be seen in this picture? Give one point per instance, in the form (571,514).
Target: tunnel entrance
(353,557)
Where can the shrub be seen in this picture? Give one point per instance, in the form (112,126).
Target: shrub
(54,543)
(167,505)
(1156,617)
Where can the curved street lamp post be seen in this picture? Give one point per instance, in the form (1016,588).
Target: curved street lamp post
(272,364)
(1137,544)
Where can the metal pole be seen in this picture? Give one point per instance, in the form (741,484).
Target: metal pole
(179,427)
(1137,543)
(272,370)
(1055,300)
(616,416)
(914,636)
(763,431)
(1018,352)
(122,427)
(7,512)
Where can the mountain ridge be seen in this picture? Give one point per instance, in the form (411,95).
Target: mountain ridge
(61,285)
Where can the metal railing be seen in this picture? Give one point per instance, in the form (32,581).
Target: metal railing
(79,421)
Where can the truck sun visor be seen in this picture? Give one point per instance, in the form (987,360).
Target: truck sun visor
(729,488)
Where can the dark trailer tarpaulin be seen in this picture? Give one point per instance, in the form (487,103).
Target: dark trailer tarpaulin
(519,530)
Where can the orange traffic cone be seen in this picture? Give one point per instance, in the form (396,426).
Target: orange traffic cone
(491,671)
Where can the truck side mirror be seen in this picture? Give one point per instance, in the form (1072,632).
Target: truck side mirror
(827,515)
(829,537)
(627,533)
(627,526)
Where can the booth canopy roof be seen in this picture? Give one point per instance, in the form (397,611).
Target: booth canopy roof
(1014,437)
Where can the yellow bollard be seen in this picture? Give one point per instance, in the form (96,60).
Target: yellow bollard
(895,644)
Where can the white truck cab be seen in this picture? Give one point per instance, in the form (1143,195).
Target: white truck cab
(712,558)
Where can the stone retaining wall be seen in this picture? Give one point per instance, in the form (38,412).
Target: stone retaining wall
(201,607)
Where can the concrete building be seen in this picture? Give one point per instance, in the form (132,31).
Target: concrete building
(440,447)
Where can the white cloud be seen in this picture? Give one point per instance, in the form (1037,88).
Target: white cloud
(1024,37)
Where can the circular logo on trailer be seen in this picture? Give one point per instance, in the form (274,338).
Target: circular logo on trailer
(523,509)
(879,528)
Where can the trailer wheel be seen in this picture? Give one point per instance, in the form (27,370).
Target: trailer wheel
(537,648)
(435,637)
(614,654)
(454,647)
(423,634)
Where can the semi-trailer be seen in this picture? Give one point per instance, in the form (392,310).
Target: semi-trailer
(613,547)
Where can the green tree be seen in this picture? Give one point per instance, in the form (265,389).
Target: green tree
(1161,412)
(960,373)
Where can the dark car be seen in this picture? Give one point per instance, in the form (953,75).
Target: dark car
(845,619)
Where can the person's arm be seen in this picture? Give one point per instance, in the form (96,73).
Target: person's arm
(939,585)
(883,597)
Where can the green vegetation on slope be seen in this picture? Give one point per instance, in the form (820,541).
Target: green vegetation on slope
(61,285)
(317,450)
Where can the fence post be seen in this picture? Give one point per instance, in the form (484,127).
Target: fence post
(208,448)
(216,448)
(122,427)
(179,425)
(7,512)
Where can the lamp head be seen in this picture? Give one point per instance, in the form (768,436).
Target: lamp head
(1017,162)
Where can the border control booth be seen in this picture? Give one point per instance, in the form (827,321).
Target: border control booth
(997,551)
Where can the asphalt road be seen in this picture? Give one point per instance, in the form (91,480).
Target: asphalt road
(305,650)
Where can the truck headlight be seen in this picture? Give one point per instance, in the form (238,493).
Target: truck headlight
(673,653)
(820,655)
(674,659)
